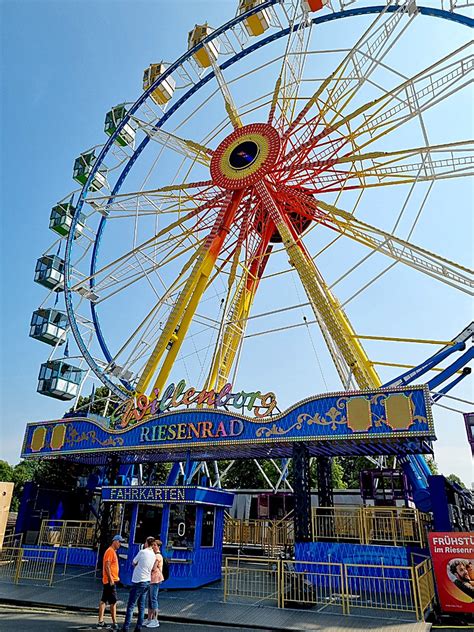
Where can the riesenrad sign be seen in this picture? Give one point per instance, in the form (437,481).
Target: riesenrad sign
(383,421)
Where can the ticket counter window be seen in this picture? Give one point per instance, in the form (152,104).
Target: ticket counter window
(208,526)
(182,526)
(148,522)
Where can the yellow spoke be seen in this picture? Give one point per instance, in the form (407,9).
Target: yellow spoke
(416,257)
(347,353)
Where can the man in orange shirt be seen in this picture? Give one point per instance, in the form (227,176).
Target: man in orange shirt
(110,576)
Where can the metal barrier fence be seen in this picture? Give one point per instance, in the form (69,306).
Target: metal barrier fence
(371,525)
(12,540)
(365,525)
(312,583)
(345,587)
(424,580)
(67,533)
(271,535)
(397,525)
(33,564)
(380,587)
(255,578)
(338,523)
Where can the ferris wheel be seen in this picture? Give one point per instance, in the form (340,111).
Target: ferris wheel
(271,165)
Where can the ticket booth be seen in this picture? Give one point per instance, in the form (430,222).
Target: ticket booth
(189,520)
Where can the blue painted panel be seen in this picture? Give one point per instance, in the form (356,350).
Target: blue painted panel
(74,556)
(168,494)
(348,553)
(321,418)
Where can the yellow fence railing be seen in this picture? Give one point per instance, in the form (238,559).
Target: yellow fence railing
(254,578)
(12,540)
(67,533)
(312,583)
(338,523)
(425,585)
(347,588)
(380,587)
(271,535)
(371,525)
(35,564)
(366,525)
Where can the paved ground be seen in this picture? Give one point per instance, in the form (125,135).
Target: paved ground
(15,619)
(204,606)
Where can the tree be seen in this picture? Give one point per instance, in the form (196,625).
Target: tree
(432,465)
(352,467)
(6,472)
(452,478)
(99,402)
(246,475)
(23,472)
(338,474)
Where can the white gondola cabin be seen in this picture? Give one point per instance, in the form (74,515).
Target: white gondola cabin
(61,217)
(205,55)
(59,379)
(82,168)
(163,93)
(113,118)
(257,23)
(49,325)
(49,272)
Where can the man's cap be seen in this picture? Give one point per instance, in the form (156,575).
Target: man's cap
(118,538)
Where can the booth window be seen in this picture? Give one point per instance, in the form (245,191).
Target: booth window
(182,526)
(208,525)
(148,522)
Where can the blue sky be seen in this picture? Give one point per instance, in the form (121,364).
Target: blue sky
(64,64)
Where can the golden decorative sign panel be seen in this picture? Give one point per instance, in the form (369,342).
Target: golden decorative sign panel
(57,437)
(359,416)
(38,438)
(399,411)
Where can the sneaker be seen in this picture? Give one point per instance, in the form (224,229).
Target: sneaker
(101,625)
(113,626)
(154,623)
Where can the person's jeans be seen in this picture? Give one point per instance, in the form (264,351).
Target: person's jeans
(153,596)
(138,593)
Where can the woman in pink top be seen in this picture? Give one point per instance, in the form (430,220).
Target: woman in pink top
(156,579)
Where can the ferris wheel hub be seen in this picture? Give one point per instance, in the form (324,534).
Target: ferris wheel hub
(245,156)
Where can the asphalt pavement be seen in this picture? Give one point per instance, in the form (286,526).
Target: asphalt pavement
(22,619)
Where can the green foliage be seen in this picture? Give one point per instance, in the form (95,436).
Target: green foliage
(59,474)
(432,465)
(351,469)
(452,478)
(22,473)
(338,472)
(101,402)
(246,475)
(6,472)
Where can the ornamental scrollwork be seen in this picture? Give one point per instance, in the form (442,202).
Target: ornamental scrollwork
(333,417)
(74,438)
(275,430)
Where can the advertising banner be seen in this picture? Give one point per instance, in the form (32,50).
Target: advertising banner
(453,562)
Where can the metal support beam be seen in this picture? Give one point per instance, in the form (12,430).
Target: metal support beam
(103,534)
(325,486)
(302,493)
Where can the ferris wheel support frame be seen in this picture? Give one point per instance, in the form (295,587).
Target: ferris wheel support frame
(430,11)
